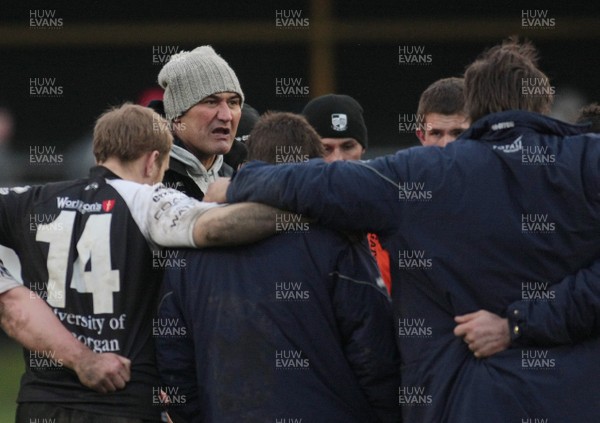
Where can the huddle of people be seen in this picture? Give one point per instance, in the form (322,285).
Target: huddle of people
(451,283)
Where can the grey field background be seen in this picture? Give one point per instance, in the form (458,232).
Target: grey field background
(11,368)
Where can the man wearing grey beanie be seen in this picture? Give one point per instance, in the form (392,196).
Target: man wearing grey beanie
(202,102)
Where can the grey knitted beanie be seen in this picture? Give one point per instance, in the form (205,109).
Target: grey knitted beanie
(191,76)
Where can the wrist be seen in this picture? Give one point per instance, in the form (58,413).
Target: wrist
(506,337)
(75,355)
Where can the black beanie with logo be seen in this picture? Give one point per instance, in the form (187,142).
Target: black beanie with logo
(337,116)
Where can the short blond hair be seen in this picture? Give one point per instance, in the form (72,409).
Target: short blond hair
(128,131)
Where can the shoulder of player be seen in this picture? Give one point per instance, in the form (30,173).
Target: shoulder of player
(133,192)
(30,194)
(72,190)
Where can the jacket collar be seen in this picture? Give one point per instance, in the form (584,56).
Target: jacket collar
(497,126)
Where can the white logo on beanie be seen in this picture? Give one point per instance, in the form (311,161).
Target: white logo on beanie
(339,121)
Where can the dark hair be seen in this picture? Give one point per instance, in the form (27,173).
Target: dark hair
(281,137)
(445,96)
(495,81)
(590,114)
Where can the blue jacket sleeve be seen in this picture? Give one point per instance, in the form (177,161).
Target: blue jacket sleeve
(363,311)
(345,195)
(564,313)
(175,352)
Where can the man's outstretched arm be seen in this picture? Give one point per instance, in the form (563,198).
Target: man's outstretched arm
(169,218)
(27,318)
(236,224)
(343,195)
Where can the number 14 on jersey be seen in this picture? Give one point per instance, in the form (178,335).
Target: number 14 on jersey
(94,247)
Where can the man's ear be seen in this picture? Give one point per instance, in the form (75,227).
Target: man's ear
(420,135)
(176,126)
(151,163)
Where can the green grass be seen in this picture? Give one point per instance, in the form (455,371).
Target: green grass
(11,369)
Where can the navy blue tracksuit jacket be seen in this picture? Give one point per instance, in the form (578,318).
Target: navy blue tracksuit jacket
(495,221)
(297,328)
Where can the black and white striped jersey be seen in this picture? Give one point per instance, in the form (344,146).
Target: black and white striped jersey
(88,247)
